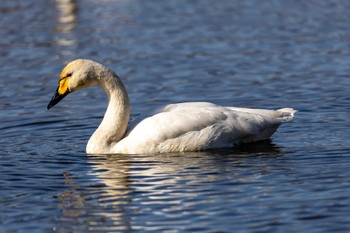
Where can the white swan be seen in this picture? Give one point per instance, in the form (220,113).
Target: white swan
(191,126)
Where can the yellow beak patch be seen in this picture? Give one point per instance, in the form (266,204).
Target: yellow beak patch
(63,86)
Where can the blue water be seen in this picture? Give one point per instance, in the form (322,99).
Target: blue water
(261,54)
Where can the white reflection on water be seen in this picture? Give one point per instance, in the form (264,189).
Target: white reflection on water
(128,190)
(99,203)
(66,21)
(67,10)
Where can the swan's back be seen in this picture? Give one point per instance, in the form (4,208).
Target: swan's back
(194,126)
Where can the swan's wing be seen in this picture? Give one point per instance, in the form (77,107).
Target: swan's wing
(194,126)
(173,120)
(169,108)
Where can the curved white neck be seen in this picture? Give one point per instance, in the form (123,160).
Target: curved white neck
(115,121)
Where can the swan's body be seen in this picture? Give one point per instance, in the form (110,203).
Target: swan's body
(191,126)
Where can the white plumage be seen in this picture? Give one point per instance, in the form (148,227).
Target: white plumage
(190,126)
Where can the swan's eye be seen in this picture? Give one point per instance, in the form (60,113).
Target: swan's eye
(80,83)
(69,75)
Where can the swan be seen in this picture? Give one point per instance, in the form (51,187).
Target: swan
(179,127)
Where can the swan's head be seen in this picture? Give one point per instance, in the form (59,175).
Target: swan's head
(78,74)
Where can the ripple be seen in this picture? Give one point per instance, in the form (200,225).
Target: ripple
(270,54)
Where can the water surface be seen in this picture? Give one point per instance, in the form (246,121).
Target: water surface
(260,54)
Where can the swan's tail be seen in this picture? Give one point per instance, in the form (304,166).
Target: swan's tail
(278,116)
(286,114)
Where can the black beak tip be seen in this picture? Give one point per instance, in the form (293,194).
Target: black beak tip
(56,98)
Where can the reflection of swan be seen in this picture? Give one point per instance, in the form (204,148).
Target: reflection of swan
(117,192)
(113,172)
(175,127)
(96,200)
(257,148)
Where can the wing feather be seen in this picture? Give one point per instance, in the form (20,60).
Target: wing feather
(200,125)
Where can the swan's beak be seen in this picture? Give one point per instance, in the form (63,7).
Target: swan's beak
(57,97)
(60,93)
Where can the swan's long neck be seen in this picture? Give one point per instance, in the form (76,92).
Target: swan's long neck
(115,121)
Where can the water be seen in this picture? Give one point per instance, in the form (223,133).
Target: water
(263,54)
